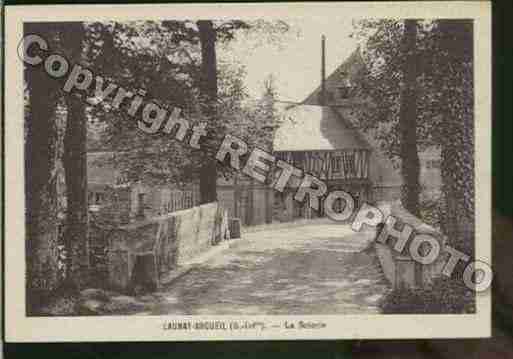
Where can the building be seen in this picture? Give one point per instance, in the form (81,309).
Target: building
(318,137)
(318,140)
(113,198)
(249,200)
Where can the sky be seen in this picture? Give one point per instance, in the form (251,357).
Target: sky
(296,60)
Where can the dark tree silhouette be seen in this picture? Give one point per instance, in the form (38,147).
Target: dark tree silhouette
(410,166)
(208,90)
(75,168)
(456,123)
(445,103)
(40,189)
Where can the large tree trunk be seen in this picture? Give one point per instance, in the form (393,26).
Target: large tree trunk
(208,170)
(40,182)
(75,167)
(408,121)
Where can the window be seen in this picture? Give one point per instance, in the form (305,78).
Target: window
(345,86)
(430,164)
(344,92)
(140,204)
(96,197)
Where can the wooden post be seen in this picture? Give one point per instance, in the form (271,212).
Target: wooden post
(268,206)
(308,214)
(251,203)
(236,196)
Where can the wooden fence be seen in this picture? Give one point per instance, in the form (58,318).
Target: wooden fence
(181,200)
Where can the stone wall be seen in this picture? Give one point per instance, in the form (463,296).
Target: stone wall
(142,252)
(195,231)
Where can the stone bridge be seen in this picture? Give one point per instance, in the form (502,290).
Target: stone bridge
(308,267)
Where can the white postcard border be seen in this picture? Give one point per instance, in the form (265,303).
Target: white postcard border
(20,328)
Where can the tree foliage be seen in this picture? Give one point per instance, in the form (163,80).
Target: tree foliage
(444,103)
(164,59)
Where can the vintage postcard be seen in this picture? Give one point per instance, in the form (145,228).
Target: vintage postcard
(247,171)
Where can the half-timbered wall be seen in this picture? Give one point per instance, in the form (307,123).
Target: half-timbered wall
(329,165)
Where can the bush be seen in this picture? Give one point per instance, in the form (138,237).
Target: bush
(444,296)
(60,306)
(432,208)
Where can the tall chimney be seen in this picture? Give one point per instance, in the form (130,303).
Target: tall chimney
(323,70)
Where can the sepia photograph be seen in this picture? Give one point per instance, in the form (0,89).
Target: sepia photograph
(248,171)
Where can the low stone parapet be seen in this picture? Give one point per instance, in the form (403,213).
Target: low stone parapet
(400,269)
(142,252)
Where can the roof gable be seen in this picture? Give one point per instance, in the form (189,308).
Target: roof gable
(350,69)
